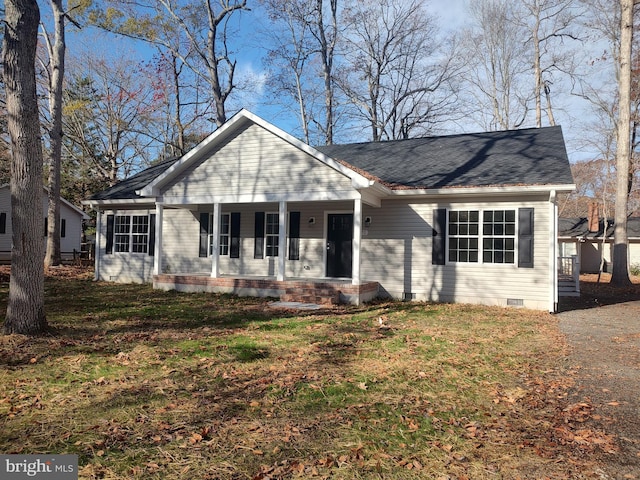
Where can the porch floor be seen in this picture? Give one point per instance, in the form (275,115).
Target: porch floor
(323,291)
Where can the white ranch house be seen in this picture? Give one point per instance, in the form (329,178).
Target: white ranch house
(254,211)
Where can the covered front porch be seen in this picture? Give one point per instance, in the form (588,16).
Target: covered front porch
(304,251)
(306,290)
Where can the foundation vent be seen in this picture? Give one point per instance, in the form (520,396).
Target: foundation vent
(515,302)
(407,296)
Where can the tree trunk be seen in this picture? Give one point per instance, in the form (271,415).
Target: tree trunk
(327,46)
(537,70)
(56,55)
(620,275)
(25,309)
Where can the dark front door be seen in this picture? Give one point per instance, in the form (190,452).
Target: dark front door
(339,240)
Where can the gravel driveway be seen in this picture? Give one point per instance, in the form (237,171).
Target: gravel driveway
(605,354)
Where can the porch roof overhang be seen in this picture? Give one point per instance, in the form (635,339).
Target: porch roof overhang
(121,203)
(371,196)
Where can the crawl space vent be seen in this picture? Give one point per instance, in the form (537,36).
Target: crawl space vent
(515,302)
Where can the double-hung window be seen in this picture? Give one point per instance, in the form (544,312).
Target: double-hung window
(267,235)
(464,227)
(139,233)
(131,233)
(487,236)
(228,235)
(122,232)
(498,236)
(272,232)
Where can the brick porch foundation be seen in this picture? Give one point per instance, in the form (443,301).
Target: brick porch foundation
(324,292)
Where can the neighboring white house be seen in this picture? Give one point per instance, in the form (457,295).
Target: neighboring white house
(71,218)
(591,247)
(254,211)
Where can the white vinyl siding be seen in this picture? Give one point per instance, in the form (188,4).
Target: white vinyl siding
(259,163)
(396,251)
(123,265)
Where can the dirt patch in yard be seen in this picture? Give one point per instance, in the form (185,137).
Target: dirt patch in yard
(62,271)
(602,327)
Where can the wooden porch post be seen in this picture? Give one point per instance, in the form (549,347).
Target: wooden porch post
(357,237)
(282,240)
(215,255)
(157,252)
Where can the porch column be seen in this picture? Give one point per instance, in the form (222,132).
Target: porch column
(357,237)
(215,256)
(282,240)
(157,252)
(96,273)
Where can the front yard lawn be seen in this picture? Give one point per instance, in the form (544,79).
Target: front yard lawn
(149,384)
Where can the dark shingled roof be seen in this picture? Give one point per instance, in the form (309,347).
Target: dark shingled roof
(126,189)
(534,156)
(579,227)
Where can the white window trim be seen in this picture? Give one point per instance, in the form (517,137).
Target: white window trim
(131,234)
(481,236)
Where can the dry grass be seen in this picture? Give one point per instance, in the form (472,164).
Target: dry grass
(148,384)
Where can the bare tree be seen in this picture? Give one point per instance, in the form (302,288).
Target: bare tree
(289,57)
(25,309)
(498,68)
(550,22)
(179,116)
(201,25)
(307,33)
(107,118)
(326,33)
(391,75)
(620,274)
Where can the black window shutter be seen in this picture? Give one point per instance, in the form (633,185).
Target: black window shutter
(151,247)
(234,248)
(525,237)
(63,228)
(204,234)
(294,235)
(438,242)
(258,248)
(110,220)
(3,222)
